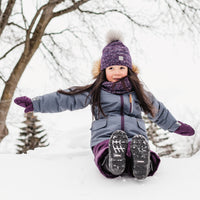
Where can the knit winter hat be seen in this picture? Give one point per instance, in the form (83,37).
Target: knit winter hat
(115,52)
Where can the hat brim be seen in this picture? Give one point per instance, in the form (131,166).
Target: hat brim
(97,69)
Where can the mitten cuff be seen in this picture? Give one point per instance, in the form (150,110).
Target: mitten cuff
(174,127)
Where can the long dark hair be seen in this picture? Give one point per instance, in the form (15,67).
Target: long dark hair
(145,102)
(94,90)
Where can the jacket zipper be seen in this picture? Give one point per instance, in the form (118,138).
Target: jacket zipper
(122,112)
(131,102)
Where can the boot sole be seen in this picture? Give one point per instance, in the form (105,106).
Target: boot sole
(117,152)
(140,151)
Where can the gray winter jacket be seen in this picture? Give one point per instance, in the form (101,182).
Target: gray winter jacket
(120,113)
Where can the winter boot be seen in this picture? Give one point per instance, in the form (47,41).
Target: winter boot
(140,153)
(118,144)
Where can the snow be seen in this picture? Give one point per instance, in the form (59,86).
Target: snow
(66,170)
(73,175)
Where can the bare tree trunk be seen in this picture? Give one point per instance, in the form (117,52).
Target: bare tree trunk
(5,16)
(31,45)
(30,48)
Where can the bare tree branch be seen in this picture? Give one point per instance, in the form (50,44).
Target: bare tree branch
(73,33)
(170,10)
(50,3)
(71,8)
(52,54)
(5,16)
(58,33)
(56,61)
(28,32)
(188,6)
(187,16)
(23,16)
(17,25)
(34,20)
(90,27)
(10,50)
(1,78)
(114,10)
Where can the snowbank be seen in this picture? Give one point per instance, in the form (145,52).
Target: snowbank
(75,176)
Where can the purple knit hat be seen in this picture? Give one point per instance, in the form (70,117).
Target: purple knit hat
(115,53)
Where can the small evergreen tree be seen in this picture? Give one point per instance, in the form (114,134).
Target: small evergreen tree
(31,136)
(158,138)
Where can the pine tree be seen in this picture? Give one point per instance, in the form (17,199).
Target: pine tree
(31,136)
(159,138)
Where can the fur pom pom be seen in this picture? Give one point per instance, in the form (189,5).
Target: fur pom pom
(114,35)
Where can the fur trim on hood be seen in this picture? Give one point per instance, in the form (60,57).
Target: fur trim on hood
(97,69)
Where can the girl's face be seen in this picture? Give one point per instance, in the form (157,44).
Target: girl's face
(116,72)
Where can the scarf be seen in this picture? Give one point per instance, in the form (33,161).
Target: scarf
(120,87)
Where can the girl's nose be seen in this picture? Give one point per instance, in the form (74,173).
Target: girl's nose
(116,72)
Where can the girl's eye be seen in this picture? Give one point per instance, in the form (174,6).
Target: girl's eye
(122,67)
(110,68)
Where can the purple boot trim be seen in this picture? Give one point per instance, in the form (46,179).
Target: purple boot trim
(100,151)
(155,161)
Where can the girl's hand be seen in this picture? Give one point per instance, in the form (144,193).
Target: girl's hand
(184,129)
(24,102)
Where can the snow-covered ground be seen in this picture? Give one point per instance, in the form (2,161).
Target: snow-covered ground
(66,170)
(74,176)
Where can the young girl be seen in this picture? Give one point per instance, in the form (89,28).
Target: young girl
(118,134)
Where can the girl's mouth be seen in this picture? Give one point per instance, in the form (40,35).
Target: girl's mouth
(116,79)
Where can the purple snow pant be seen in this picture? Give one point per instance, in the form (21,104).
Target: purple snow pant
(101,150)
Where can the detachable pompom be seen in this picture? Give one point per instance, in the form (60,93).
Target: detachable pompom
(114,35)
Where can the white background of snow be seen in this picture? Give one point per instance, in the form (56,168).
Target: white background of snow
(66,170)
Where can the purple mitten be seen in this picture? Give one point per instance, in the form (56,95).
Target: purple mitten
(24,102)
(184,129)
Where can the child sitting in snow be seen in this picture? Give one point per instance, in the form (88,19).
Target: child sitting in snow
(118,135)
